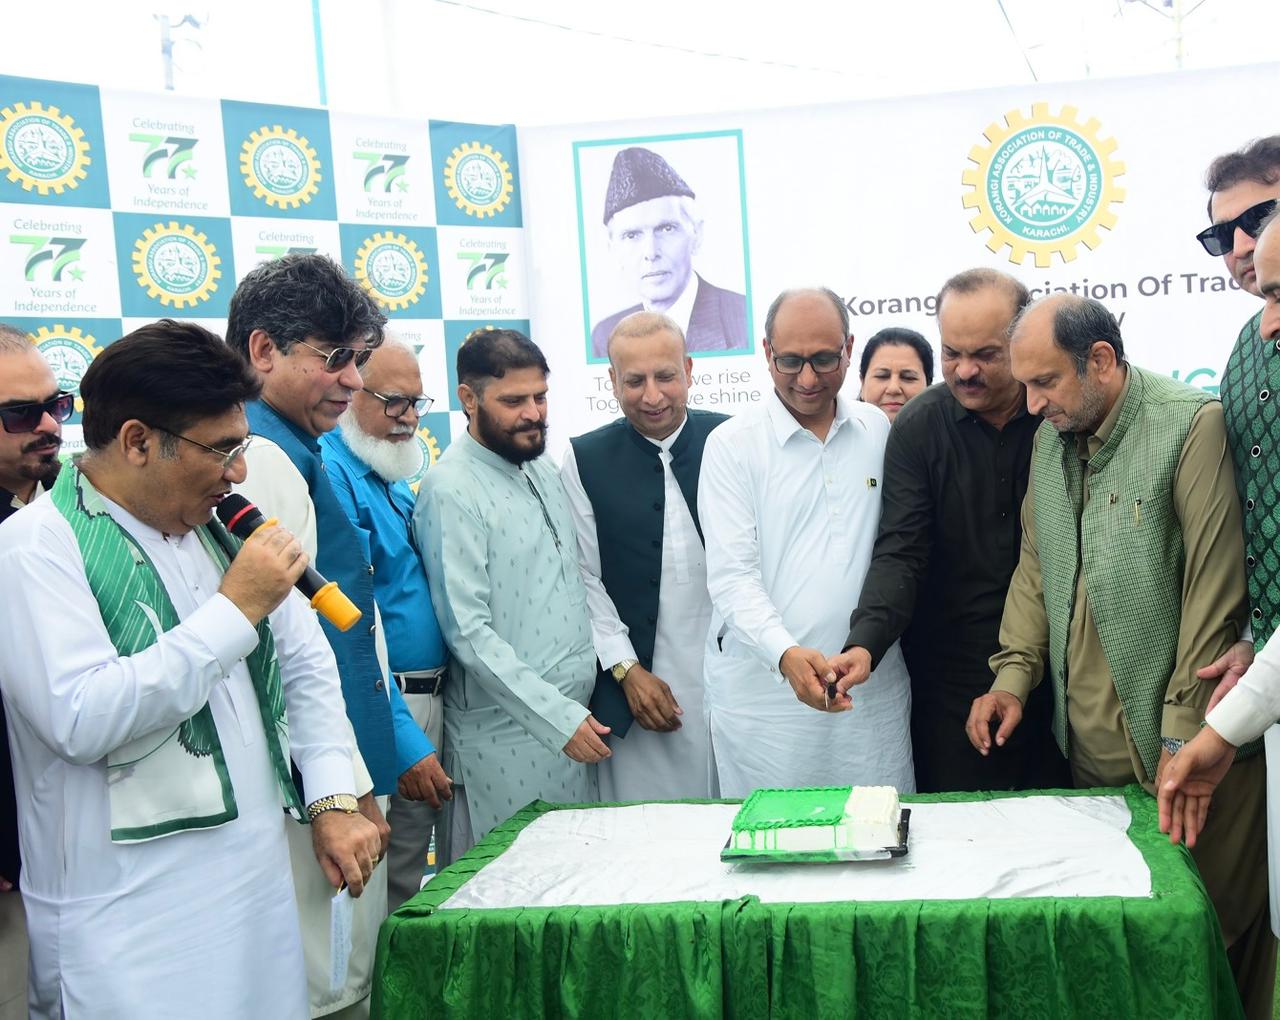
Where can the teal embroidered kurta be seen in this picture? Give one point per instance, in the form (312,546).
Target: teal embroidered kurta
(513,610)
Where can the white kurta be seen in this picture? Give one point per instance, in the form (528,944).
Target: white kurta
(196,924)
(274,482)
(790,522)
(647,765)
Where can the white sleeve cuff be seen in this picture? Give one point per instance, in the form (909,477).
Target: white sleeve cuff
(1241,716)
(773,642)
(328,773)
(614,649)
(225,630)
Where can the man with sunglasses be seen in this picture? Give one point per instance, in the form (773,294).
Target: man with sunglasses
(1244,191)
(789,501)
(32,410)
(368,459)
(306,327)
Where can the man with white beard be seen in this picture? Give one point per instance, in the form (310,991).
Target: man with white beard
(367,458)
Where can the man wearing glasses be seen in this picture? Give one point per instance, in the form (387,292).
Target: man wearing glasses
(306,328)
(147,669)
(789,501)
(32,410)
(493,524)
(1244,190)
(368,459)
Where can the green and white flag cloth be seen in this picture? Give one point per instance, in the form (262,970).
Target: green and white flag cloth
(172,779)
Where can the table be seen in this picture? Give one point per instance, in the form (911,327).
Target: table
(727,945)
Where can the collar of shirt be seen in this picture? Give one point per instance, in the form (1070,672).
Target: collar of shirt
(681,311)
(11,500)
(304,437)
(665,444)
(785,425)
(1090,445)
(478,451)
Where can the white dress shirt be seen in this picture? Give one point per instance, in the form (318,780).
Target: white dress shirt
(198,923)
(648,765)
(790,521)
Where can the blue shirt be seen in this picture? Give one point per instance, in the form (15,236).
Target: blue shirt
(383,513)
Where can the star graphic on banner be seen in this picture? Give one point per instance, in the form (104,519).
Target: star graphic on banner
(501,281)
(76,273)
(189,172)
(402,185)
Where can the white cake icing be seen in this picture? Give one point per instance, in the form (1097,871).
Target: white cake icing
(869,822)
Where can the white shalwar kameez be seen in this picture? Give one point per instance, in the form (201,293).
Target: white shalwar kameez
(199,923)
(648,765)
(790,521)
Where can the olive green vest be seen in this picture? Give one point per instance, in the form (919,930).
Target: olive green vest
(1128,541)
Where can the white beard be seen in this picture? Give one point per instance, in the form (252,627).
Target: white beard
(392,462)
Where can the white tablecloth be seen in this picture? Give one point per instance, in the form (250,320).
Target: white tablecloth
(660,853)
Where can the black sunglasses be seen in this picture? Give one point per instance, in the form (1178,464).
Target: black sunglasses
(1221,237)
(19,418)
(340,357)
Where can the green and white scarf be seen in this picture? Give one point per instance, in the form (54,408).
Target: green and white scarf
(176,778)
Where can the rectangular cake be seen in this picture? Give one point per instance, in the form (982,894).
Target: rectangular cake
(855,818)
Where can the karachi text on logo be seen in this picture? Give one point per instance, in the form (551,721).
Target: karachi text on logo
(41,148)
(1043,184)
(392,269)
(280,166)
(59,257)
(69,352)
(430,447)
(488,269)
(166,155)
(384,172)
(478,179)
(176,264)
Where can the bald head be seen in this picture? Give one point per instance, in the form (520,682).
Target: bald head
(393,377)
(1068,353)
(651,372)
(642,325)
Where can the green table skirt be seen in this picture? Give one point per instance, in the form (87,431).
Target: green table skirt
(1029,957)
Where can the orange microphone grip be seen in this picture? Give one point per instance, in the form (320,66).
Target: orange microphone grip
(335,607)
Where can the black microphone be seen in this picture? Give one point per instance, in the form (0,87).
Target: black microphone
(242,519)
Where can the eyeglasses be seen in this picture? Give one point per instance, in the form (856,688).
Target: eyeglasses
(340,357)
(19,418)
(1221,237)
(229,457)
(822,362)
(396,404)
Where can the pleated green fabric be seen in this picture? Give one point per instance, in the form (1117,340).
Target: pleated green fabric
(1035,957)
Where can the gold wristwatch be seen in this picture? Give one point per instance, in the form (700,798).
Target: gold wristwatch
(337,802)
(619,670)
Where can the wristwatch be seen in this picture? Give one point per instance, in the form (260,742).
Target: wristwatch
(619,670)
(336,802)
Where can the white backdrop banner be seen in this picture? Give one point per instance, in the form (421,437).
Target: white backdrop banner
(1094,187)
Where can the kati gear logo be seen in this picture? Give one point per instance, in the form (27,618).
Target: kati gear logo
(478,179)
(176,264)
(392,269)
(280,166)
(166,155)
(41,148)
(1043,184)
(384,172)
(488,269)
(430,447)
(69,352)
(61,255)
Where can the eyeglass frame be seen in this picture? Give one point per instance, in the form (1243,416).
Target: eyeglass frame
(45,407)
(840,356)
(229,457)
(359,356)
(1215,232)
(388,398)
